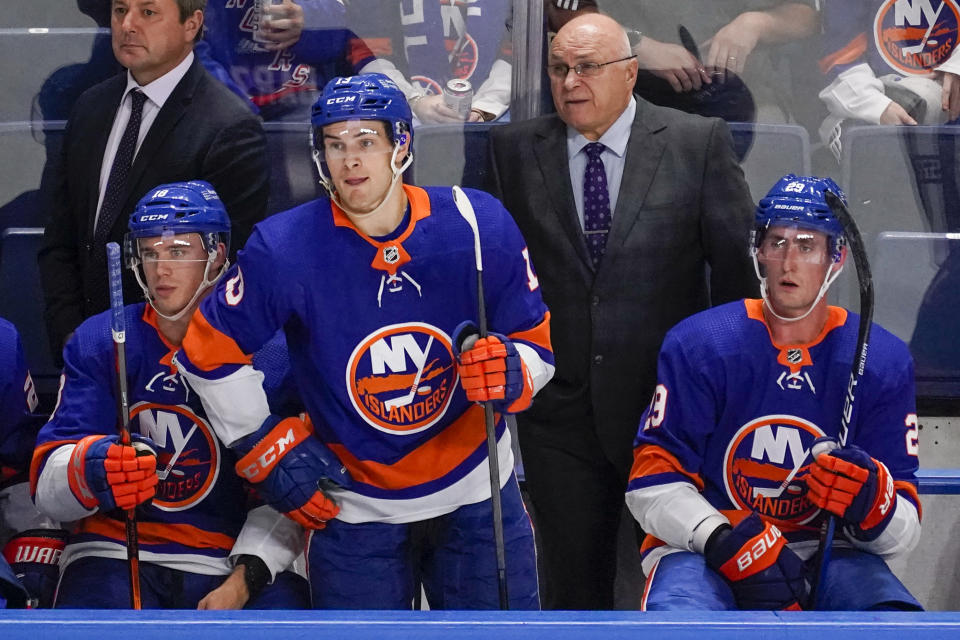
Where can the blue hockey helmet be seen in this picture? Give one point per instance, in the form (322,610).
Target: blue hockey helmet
(800,201)
(370,96)
(176,209)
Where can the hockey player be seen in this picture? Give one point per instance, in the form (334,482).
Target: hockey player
(34,547)
(723,477)
(372,288)
(200,544)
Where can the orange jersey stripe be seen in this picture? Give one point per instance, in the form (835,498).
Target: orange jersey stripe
(848,54)
(39,455)
(836,316)
(156,533)
(538,335)
(651,459)
(435,458)
(209,348)
(910,490)
(360,49)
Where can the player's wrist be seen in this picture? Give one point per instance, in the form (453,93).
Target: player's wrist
(256,574)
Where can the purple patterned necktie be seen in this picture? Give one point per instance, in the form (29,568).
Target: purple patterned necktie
(596,203)
(117,182)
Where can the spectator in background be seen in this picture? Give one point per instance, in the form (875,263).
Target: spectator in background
(165,119)
(432,41)
(31,542)
(275,65)
(625,207)
(734,40)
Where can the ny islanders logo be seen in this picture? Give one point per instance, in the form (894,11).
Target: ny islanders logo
(914,36)
(765,464)
(188,455)
(400,378)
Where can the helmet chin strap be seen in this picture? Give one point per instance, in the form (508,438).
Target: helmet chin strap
(206,284)
(828,279)
(397,173)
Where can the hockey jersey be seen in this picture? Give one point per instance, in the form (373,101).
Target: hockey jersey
(370,324)
(200,505)
(266,78)
(911,37)
(735,415)
(18,401)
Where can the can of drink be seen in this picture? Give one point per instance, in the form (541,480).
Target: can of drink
(261,19)
(458,96)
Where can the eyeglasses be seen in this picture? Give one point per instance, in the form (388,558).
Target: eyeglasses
(584,69)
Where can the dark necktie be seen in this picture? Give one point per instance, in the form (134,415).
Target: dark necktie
(596,203)
(117,182)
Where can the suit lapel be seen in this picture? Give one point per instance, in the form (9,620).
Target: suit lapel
(550,148)
(644,151)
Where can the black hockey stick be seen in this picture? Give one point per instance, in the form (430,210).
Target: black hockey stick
(118,329)
(466,210)
(865,280)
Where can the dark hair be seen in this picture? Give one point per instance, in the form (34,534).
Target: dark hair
(187,9)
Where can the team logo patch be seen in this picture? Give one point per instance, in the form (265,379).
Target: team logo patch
(766,464)
(794,356)
(400,378)
(188,455)
(914,36)
(391,255)
(464,60)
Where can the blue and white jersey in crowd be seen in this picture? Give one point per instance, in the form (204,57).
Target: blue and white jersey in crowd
(734,416)
(201,505)
(370,325)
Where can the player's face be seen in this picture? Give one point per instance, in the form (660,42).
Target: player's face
(358,155)
(590,104)
(173,266)
(148,37)
(795,262)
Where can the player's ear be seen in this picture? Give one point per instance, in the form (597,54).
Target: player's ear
(221,255)
(843,257)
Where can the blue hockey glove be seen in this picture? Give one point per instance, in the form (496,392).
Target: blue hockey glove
(289,467)
(850,484)
(34,557)
(754,559)
(491,369)
(104,473)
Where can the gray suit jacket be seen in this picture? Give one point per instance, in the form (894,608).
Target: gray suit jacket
(678,244)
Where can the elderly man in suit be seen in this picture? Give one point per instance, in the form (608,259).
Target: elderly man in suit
(636,217)
(164,120)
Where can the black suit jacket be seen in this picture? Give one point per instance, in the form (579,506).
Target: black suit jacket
(678,244)
(202,132)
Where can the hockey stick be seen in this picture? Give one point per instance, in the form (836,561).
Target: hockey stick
(118,329)
(466,210)
(864,279)
(404,400)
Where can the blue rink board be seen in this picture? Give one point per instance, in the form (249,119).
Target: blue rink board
(429,625)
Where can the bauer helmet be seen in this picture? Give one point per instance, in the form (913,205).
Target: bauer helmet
(177,209)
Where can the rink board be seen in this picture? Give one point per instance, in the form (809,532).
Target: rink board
(429,625)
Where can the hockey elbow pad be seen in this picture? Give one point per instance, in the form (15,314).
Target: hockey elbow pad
(491,370)
(754,560)
(850,484)
(290,467)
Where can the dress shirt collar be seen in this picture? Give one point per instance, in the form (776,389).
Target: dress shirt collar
(615,138)
(160,89)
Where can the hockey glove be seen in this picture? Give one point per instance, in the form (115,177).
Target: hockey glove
(850,484)
(289,466)
(34,557)
(492,370)
(754,559)
(104,473)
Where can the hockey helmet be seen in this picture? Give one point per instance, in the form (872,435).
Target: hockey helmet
(177,209)
(800,201)
(370,96)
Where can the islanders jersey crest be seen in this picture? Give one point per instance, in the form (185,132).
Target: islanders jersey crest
(188,455)
(765,465)
(914,36)
(401,377)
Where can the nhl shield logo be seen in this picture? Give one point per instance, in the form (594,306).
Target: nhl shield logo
(401,378)
(914,36)
(766,464)
(794,356)
(391,255)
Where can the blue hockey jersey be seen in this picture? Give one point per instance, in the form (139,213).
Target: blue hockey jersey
(200,504)
(907,37)
(735,415)
(369,322)
(18,401)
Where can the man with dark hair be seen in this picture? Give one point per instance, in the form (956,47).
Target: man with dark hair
(171,121)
